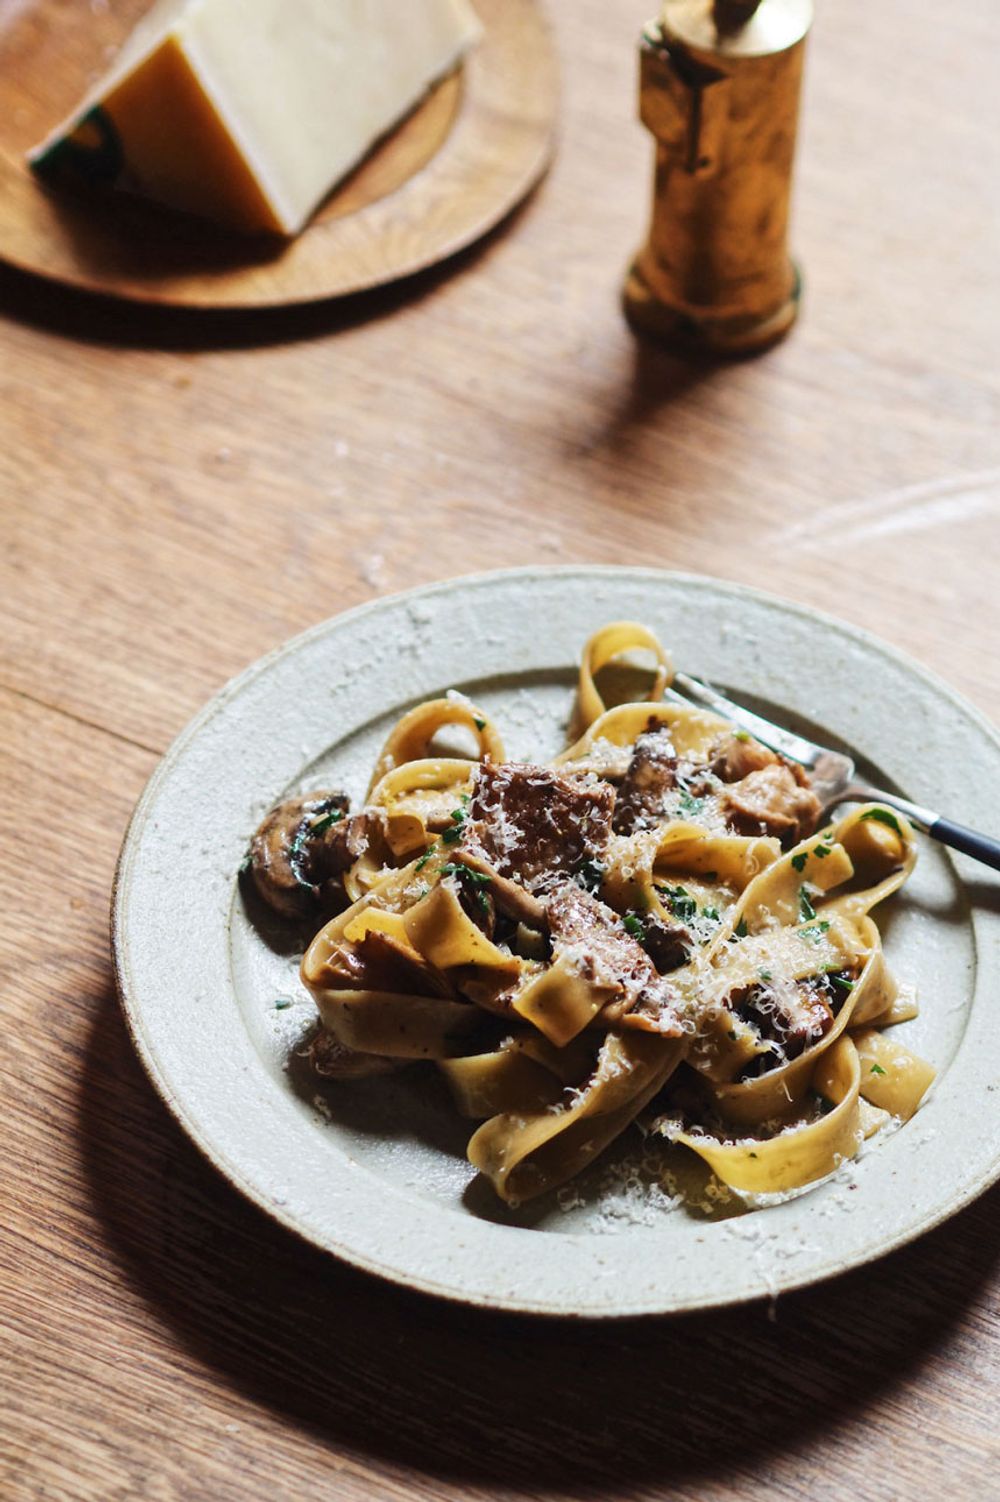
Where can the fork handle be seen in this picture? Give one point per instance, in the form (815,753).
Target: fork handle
(980,846)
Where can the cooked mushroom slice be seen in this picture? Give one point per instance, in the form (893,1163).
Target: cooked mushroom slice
(290,857)
(600,947)
(669,945)
(378,962)
(774,800)
(735,756)
(789,1015)
(651,774)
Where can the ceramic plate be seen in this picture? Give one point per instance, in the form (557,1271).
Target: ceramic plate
(443,178)
(375,1171)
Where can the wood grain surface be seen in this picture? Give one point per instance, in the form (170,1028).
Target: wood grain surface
(444,177)
(178,493)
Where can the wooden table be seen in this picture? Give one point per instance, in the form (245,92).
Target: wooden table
(179,494)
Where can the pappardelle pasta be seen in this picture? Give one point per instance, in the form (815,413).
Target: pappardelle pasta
(654,925)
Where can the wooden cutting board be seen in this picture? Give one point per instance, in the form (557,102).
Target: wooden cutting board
(448,174)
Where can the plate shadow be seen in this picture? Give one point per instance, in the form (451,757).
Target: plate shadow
(483,1400)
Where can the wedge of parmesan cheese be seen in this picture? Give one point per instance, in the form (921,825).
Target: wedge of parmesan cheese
(250,111)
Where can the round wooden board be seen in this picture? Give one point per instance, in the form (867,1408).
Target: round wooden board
(447,175)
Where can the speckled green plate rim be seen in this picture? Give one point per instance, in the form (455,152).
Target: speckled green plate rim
(173,899)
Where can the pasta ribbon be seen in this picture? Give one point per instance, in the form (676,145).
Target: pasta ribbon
(412,737)
(439,929)
(656,919)
(612,642)
(892,1077)
(523,1155)
(522,1076)
(419,797)
(692,731)
(396,1025)
(803,1151)
(561,1001)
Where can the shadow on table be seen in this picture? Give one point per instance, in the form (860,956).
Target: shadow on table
(659,378)
(649,392)
(95,318)
(470,1398)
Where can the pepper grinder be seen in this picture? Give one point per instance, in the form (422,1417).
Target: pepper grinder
(719,89)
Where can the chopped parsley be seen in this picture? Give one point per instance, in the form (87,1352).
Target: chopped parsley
(634,925)
(690,804)
(741,929)
(883,816)
(876,1069)
(806,909)
(814,932)
(455,868)
(590,875)
(305,833)
(840,979)
(682,904)
(711,913)
(322,825)
(819,851)
(421,863)
(282,1003)
(459,815)
(764,975)
(477,880)
(480,724)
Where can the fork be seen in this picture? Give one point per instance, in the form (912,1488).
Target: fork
(833,776)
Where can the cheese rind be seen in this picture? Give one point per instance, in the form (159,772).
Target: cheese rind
(250,111)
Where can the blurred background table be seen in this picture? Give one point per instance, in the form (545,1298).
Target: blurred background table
(181,493)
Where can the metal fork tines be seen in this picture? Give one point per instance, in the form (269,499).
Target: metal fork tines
(833,776)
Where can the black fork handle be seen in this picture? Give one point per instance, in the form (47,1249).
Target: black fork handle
(980,846)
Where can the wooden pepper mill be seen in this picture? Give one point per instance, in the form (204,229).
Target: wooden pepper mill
(719,89)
